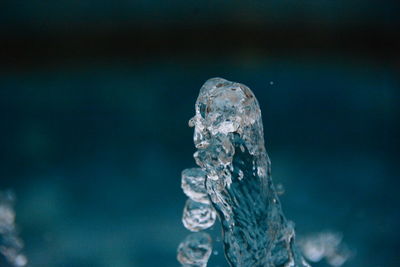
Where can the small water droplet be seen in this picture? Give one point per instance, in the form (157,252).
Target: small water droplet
(240,176)
(280,190)
(242,148)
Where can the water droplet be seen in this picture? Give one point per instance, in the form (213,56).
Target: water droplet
(21,260)
(191,122)
(10,244)
(198,216)
(328,245)
(240,175)
(195,250)
(280,190)
(242,148)
(193,184)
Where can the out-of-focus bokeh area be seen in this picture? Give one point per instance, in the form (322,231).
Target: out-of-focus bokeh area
(95,97)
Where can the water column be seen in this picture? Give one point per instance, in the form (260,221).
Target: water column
(228,135)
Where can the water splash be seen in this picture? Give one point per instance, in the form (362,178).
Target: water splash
(229,137)
(10,244)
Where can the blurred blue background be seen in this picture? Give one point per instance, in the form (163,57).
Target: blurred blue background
(95,97)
